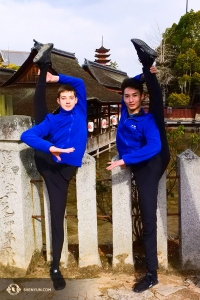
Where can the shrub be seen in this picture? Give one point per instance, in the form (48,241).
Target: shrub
(175,99)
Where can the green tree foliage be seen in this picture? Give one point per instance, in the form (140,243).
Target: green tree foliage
(175,99)
(184,41)
(178,142)
(9,66)
(113,64)
(196,78)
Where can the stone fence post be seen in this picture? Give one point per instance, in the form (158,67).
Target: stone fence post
(189,209)
(20,234)
(122,218)
(162,224)
(87,213)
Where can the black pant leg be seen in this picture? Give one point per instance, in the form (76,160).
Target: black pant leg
(157,110)
(39,100)
(56,176)
(147,179)
(57,179)
(40,111)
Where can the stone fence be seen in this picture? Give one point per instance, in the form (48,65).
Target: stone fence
(21,234)
(101,142)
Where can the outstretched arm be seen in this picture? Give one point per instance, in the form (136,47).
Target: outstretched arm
(114,164)
(57,151)
(52,78)
(34,137)
(150,149)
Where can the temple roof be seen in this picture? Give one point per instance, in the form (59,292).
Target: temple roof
(5,74)
(14,57)
(63,62)
(105,75)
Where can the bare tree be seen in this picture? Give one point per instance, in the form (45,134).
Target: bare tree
(164,60)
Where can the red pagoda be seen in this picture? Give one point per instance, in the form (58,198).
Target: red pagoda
(102,55)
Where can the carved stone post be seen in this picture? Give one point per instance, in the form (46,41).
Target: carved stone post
(20,234)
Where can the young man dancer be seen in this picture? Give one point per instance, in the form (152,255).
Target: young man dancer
(60,141)
(142,144)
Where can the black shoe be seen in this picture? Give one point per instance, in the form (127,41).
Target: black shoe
(37,45)
(44,55)
(58,280)
(145,283)
(145,54)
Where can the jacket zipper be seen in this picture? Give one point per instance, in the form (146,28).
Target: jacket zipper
(70,127)
(125,136)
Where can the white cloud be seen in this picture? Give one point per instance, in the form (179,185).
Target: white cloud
(78,25)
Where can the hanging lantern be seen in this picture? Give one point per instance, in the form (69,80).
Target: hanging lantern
(103,123)
(90,126)
(95,123)
(114,120)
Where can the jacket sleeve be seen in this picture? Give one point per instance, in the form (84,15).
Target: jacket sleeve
(79,86)
(123,106)
(34,137)
(152,147)
(139,77)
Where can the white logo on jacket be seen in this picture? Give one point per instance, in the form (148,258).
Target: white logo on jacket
(133,126)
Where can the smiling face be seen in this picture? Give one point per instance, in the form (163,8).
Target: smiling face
(67,100)
(133,99)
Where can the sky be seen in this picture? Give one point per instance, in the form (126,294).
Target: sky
(77,26)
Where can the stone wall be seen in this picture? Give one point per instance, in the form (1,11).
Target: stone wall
(20,236)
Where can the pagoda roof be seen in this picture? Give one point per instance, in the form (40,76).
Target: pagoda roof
(105,75)
(63,63)
(102,61)
(102,50)
(102,55)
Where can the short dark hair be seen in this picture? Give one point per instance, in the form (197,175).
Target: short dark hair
(66,87)
(132,83)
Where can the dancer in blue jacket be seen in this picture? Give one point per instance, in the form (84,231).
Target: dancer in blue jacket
(59,140)
(142,144)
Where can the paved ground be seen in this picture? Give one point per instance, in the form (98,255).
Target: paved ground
(101,283)
(108,286)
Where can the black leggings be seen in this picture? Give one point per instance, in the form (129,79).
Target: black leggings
(56,176)
(148,173)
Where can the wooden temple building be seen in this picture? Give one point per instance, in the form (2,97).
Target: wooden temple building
(103,104)
(103,93)
(16,58)
(105,75)
(5,74)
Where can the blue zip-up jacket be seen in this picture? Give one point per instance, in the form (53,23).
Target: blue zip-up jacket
(138,137)
(64,130)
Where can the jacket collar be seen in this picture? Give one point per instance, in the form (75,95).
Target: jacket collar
(139,114)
